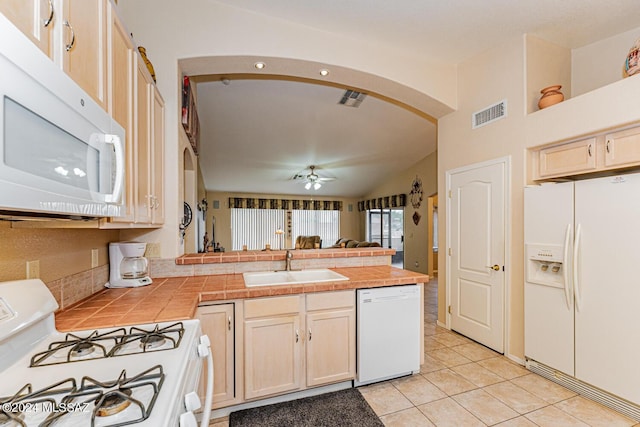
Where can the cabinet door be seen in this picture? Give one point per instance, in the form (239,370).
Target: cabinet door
(82,45)
(217,321)
(622,148)
(121,66)
(567,159)
(157,167)
(34,18)
(273,349)
(331,346)
(143,90)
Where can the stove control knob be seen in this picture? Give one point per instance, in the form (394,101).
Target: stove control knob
(192,401)
(188,420)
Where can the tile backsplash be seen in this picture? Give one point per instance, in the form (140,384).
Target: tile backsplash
(71,289)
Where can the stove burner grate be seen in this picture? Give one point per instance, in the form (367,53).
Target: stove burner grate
(77,348)
(10,414)
(153,340)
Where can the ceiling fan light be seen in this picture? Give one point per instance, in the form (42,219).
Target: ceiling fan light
(307,186)
(316,185)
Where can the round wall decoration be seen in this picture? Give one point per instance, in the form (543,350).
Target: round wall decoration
(186,219)
(416,193)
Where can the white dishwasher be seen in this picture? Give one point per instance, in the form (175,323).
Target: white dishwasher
(388,333)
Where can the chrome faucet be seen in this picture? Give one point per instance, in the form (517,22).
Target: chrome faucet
(288,260)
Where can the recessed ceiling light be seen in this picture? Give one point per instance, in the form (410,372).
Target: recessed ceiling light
(259,65)
(324,72)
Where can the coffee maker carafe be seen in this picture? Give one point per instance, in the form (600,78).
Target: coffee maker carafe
(128,268)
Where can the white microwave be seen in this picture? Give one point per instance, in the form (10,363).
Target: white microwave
(61,154)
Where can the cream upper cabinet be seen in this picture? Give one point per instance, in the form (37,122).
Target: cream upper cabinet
(35,18)
(567,159)
(601,152)
(331,337)
(81,45)
(217,322)
(273,341)
(157,158)
(622,148)
(121,85)
(143,156)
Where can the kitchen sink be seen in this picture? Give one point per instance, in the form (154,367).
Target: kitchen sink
(272,278)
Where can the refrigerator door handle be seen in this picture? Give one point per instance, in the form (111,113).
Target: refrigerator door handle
(576,278)
(565,261)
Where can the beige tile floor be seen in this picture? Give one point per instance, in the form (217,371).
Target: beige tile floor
(464,384)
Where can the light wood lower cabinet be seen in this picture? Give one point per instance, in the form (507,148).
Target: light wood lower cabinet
(331,337)
(263,347)
(296,342)
(217,322)
(272,355)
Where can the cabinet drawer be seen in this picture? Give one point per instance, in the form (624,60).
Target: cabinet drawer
(567,159)
(331,300)
(263,307)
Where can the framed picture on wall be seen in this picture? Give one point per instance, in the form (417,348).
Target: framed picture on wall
(190,120)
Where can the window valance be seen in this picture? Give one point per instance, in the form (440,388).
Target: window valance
(286,204)
(395,201)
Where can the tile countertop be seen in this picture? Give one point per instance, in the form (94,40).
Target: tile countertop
(177,298)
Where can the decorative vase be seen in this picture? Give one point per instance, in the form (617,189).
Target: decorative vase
(550,96)
(632,62)
(143,53)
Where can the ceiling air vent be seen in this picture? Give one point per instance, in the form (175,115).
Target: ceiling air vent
(489,114)
(351,98)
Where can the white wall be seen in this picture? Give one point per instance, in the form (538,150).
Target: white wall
(600,63)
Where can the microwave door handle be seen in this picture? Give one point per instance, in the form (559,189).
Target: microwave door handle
(114,197)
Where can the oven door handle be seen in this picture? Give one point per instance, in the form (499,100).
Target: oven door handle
(204,350)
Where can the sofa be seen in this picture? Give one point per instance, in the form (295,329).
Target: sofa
(350,243)
(308,242)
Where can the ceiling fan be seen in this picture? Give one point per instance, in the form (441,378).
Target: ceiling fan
(312,179)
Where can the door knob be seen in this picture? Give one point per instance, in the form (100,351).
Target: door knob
(494,267)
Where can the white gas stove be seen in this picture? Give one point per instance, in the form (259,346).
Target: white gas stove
(143,375)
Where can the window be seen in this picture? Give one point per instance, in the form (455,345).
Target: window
(325,224)
(257,227)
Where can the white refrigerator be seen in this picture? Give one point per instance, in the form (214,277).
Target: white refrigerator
(582,284)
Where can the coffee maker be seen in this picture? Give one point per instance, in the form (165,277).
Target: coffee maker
(128,268)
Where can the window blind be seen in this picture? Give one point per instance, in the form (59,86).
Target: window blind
(257,227)
(325,224)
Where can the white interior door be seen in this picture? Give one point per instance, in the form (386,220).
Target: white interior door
(476,229)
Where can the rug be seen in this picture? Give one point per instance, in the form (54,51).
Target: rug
(339,408)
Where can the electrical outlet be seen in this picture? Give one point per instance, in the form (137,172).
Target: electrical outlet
(153,250)
(94,258)
(417,265)
(33,269)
